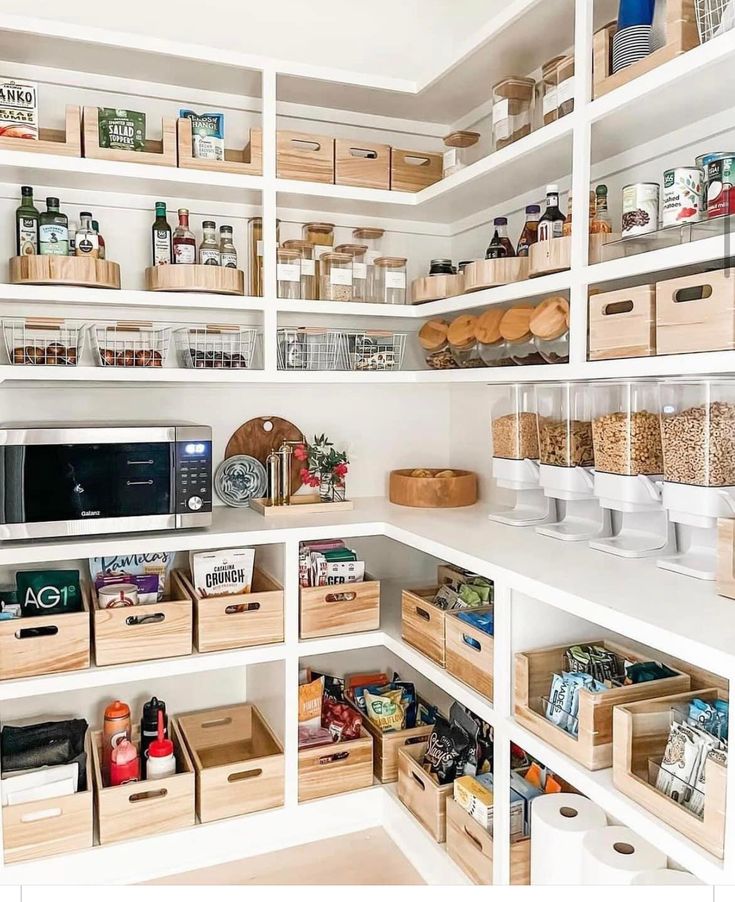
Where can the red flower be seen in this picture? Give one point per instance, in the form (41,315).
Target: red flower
(314,482)
(300,452)
(340,470)
(305,476)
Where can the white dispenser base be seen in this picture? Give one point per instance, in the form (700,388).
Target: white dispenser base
(643,528)
(583,518)
(532,507)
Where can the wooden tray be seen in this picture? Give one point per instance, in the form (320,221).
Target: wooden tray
(51,269)
(195,277)
(66,142)
(248,161)
(363,164)
(490,273)
(261,435)
(547,257)
(420,792)
(459,490)
(412,170)
(340,767)
(305,157)
(300,504)
(156,153)
(435,288)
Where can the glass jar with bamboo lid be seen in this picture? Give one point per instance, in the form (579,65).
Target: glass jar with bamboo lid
(309,287)
(491,346)
(515,328)
(321,236)
(456,156)
(335,277)
(255,254)
(372,239)
(390,280)
(359,268)
(435,345)
(462,337)
(288,273)
(549,325)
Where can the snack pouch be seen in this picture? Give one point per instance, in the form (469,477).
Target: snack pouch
(447,747)
(310,703)
(341,719)
(386,710)
(121,129)
(207,134)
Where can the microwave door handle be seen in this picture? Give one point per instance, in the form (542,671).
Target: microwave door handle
(173,493)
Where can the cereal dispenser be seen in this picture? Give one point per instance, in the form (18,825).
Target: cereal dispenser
(566,459)
(515,458)
(628,468)
(698,442)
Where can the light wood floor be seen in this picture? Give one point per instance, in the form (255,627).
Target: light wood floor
(367,858)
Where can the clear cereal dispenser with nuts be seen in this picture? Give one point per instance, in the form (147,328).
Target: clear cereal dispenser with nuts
(566,459)
(515,457)
(698,443)
(628,468)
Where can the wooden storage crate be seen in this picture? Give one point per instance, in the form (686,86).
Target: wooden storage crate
(592,747)
(482,274)
(143,632)
(50,269)
(421,793)
(469,652)
(64,644)
(623,323)
(363,164)
(471,848)
(238,760)
(50,826)
(156,153)
(386,745)
(412,170)
(66,142)
(696,313)
(335,610)
(305,157)
(149,807)
(237,621)
(248,161)
(422,623)
(681,34)
(340,767)
(546,257)
(435,288)
(641,731)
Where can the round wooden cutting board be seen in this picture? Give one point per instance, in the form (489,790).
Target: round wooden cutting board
(260,436)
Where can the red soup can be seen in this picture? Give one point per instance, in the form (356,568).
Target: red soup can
(720,177)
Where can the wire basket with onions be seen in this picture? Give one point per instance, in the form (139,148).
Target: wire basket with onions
(131,344)
(43,341)
(714,17)
(217,347)
(375,351)
(312,349)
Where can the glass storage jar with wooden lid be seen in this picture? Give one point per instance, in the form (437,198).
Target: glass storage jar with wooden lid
(456,156)
(288,273)
(359,268)
(390,280)
(492,347)
(308,267)
(435,344)
(550,327)
(565,85)
(462,338)
(515,327)
(371,238)
(512,106)
(335,277)
(321,233)
(549,95)
(255,254)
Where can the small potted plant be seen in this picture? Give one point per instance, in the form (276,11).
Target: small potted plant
(323,467)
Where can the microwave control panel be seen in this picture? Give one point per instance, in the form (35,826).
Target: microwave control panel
(193,477)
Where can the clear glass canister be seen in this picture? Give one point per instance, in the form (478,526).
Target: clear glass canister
(359,268)
(435,345)
(372,239)
(463,341)
(491,346)
(512,108)
(565,424)
(565,85)
(390,280)
(335,277)
(515,425)
(549,83)
(698,432)
(549,326)
(626,429)
(255,254)
(321,235)
(456,155)
(308,267)
(515,328)
(288,273)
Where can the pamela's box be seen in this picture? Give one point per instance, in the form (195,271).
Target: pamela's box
(18,109)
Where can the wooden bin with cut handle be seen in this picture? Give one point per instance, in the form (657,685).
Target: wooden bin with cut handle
(363,164)
(237,621)
(592,747)
(470,847)
(156,153)
(238,760)
(47,827)
(66,142)
(422,623)
(305,157)
(149,807)
(248,161)
(641,731)
(327,770)
(413,170)
(386,746)
(422,793)
(336,610)
(622,323)
(469,651)
(696,313)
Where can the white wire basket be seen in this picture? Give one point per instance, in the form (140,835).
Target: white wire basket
(131,344)
(375,351)
(217,347)
(714,17)
(312,349)
(43,341)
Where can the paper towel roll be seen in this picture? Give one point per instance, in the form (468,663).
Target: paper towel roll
(559,823)
(666,877)
(613,856)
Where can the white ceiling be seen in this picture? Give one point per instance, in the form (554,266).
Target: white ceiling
(408,39)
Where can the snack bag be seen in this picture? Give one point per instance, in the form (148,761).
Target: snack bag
(207,134)
(121,129)
(310,703)
(386,710)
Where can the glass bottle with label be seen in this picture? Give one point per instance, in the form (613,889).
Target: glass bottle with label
(100,239)
(552,221)
(529,235)
(26,224)
(601,222)
(73,229)
(53,230)
(162,246)
(184,243)
(209,248)
(500,245)
(87,244)
(227,250)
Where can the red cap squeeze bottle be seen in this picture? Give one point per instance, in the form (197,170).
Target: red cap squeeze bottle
(124,764)
(161,761)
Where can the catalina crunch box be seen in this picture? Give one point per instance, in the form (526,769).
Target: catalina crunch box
(18,109)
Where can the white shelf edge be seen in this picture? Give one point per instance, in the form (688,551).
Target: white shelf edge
(128,297)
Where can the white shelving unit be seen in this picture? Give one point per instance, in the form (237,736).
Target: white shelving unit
(402,413)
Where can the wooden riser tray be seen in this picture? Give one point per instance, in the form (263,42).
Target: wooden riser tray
(248,161)
(435,288)
(88,272)
(300,504)
(195,277)
(65,143)
(156,153)
(490,273)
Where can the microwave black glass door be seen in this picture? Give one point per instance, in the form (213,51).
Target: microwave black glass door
(80,482)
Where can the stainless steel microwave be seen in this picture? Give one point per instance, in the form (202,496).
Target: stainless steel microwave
(71,480)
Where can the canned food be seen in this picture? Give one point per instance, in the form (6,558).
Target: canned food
(719,177)
(682,200)
(640,209)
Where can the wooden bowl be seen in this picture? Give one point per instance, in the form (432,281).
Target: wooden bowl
(459,490)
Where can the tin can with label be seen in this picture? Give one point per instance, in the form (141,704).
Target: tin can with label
(719,185)
(640,209)
(682,199)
